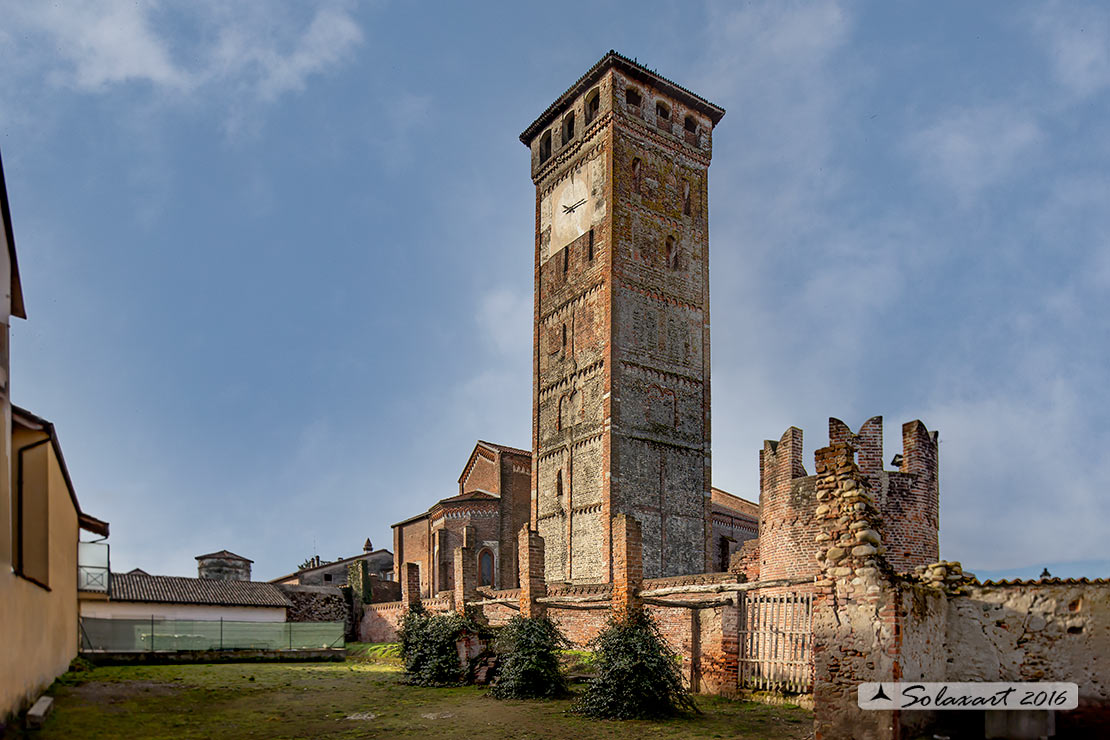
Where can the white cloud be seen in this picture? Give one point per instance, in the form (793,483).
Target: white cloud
(103,43)
(241,51)
(971,149)
(1077,43)
(97,46)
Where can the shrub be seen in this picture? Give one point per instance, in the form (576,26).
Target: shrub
(638,675)
(428,647)
(529,649)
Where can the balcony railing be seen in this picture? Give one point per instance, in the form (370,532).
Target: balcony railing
(92,566)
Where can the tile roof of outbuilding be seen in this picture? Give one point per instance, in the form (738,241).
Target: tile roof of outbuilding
(179,590)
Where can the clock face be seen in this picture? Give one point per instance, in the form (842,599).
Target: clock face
(572,211)
(573,206)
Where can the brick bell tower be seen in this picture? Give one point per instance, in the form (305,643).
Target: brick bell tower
(620,396)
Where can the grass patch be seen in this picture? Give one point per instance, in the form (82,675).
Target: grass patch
(375,652)
(356,699)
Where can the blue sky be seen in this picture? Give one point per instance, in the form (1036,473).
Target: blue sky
(277,257)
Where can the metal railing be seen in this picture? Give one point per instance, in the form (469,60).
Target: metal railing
(92,566)
(171,635)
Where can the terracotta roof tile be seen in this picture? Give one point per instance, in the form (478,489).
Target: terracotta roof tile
(506,448)
(178,590)
(1049,581)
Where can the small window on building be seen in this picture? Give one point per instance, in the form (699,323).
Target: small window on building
(685,197)
(564,339)
(590,247)
(662,113)
(485,568)
(632,97)
(672,253)
(545,147)
(690,124)
(566,259)
(636,175)
(559,483)
(593,105)
(327,577)
(568,127)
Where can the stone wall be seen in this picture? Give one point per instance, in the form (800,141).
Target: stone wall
(938,623)
(315,604)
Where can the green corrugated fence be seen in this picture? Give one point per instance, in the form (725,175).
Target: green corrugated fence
(168,635)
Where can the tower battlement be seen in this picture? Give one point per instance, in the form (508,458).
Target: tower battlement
(908,498)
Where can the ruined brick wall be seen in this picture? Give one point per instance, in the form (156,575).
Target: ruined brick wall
(857,634)
(621,394)
(908,498)
(315,604)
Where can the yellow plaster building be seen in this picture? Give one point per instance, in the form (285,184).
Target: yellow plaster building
(39,522)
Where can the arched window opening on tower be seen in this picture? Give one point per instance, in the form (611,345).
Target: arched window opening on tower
(593,105)
(672,253)
(662,115)
(566,259)
(590,247)
(545,147)
(636,175)
(485,567)
(568,127)
(564,339)
(685,197)
(632,97)
(559,483)
(690,124)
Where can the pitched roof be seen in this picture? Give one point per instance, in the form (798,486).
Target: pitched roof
(470,496)
(178,590)
(505,448)
(226,554)
(632,69)
(367,556)
(27,420)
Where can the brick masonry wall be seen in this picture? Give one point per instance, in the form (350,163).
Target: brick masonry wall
(621,341)
(787,498)
(516,500)
(449,524)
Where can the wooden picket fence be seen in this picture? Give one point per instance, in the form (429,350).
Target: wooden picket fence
(776,642)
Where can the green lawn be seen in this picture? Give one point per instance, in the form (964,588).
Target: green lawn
(362,698)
